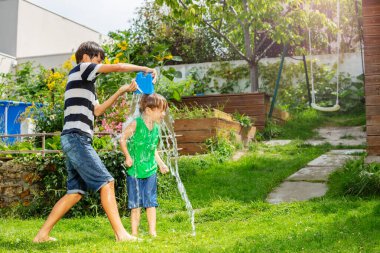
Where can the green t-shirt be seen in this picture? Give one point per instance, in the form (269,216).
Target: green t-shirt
(142,147)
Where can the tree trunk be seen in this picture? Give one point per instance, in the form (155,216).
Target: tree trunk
(254,76)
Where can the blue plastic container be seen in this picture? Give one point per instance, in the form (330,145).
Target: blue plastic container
(10,112)
(145,83)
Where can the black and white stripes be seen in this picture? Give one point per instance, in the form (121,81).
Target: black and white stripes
(80,99)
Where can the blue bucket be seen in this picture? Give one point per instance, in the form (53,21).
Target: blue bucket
(145,83)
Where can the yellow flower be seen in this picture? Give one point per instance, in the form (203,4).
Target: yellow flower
(159,58)
(169,57)
(116,60)
(106,60)
(51,85)
(119,55)
(67,65)
(123,45)
(72,58)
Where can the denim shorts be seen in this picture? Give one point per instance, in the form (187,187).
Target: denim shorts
(142,192)
(84,168)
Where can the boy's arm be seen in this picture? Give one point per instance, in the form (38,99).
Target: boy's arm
(127,133)
(125,67)
(163,168)
(99,109)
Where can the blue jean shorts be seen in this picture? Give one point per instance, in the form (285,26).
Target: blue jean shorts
(84,168)
(142,192)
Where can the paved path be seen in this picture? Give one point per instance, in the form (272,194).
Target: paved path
(310,182)
(347,136)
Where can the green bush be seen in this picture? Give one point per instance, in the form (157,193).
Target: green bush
(52,181)
(356,179)
(221,147)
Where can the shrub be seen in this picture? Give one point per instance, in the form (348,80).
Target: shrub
(52,183)
(356,179)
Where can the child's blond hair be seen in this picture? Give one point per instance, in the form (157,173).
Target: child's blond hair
(153,101)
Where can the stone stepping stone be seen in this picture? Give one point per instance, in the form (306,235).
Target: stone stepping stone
(346,151)
(296,191)
(330,160)
(310,182)
(312,174)
(277,142)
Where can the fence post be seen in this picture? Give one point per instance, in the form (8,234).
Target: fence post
(43,144)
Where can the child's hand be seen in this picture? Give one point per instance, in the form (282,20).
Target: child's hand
(128,161)
(129,87)
(164,169)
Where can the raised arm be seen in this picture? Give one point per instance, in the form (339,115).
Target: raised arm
(101,108)
(127,133)
(125,67)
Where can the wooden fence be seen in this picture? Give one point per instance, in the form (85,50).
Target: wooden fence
(371,32)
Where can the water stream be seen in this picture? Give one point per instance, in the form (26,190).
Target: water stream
(168,151)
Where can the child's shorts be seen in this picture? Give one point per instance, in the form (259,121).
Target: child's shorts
(142,192)
(84,168)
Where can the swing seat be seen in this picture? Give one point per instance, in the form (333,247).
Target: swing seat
(334,108)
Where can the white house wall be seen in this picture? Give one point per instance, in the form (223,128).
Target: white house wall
(7,63)
(8,26)
(41,32)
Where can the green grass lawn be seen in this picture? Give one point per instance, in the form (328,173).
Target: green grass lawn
(231,215)
(302,125)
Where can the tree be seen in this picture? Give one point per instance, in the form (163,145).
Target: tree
(249,27)
(154,25)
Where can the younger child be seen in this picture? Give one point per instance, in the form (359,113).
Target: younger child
(141,157)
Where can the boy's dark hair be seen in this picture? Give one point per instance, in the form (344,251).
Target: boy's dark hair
(153,101)
(90,48)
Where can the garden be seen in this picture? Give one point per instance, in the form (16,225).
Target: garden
(217,111)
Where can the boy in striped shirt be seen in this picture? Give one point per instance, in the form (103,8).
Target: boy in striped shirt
(84,167)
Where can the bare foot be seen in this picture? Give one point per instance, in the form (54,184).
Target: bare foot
(127,237)
(153,234)
(38,239)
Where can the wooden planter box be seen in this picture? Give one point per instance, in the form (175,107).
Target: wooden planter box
(254,105)
(194,132)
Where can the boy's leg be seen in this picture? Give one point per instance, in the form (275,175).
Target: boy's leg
(151,215)
(60,208)
(135,220)
(107,197)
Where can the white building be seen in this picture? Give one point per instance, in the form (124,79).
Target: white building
(31,33)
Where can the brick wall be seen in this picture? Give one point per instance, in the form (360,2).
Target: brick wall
(16,184)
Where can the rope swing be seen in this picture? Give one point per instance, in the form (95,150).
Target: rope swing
(314,105)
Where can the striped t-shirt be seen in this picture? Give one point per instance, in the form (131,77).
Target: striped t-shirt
(80,99)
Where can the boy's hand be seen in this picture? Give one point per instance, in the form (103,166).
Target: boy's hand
(129,87)
(164,169)
(154,74)
(128,161)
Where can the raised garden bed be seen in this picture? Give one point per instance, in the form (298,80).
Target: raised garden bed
(194,132)
(254,105)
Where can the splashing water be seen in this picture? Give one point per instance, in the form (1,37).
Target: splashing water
(168,149)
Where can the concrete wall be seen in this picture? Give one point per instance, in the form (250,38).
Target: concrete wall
(349,63)
(8,26)
(47,61)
